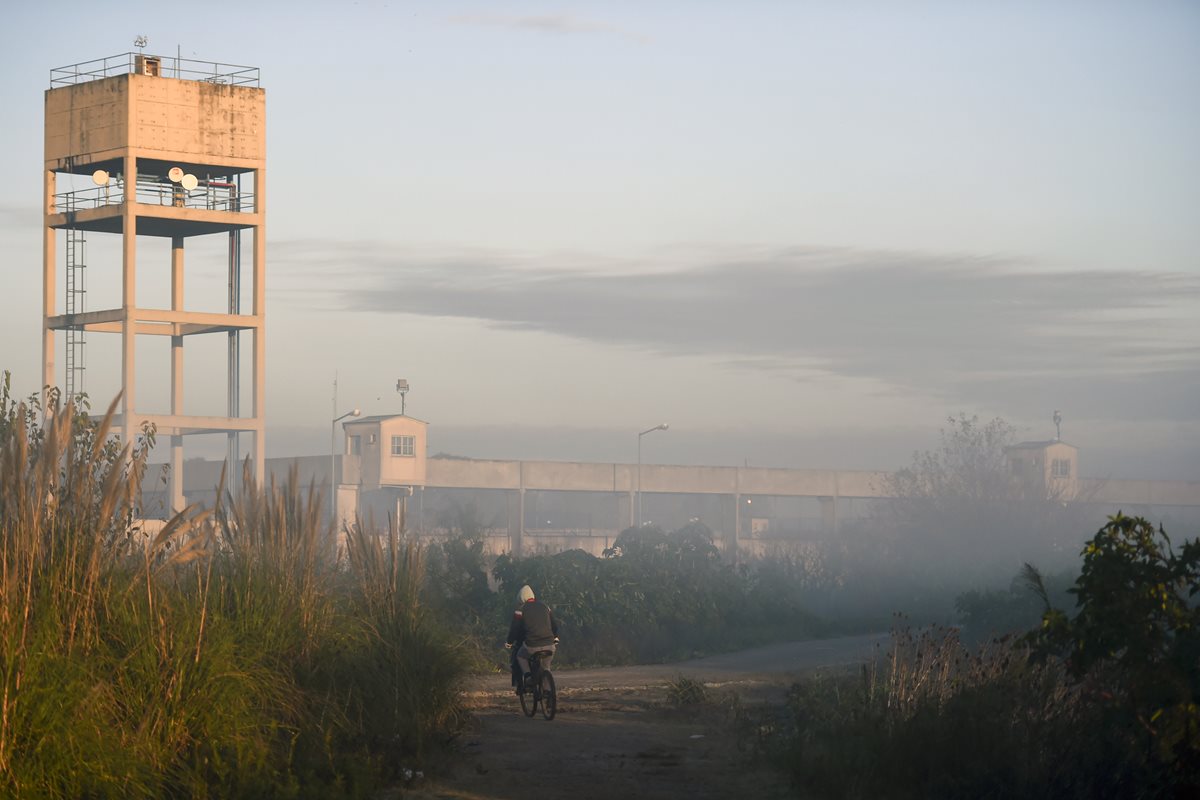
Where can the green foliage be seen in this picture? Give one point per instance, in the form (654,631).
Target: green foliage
(690,547)
(223,655)
(456,586)
(656,596)
(1134,645)
(401,684)
(1134,597)
(456,575)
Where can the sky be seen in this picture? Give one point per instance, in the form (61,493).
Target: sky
(801,233)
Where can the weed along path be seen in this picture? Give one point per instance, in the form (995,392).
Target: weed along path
(631,732)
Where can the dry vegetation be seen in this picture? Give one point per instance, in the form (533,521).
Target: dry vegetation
(1100,702)
(230,655)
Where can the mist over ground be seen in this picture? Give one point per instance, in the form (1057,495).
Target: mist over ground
(1173,458)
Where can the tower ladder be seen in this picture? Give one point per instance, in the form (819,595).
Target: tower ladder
(76,281)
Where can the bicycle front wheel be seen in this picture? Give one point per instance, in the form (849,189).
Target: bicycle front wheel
(549,696)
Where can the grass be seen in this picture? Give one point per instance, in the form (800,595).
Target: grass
(684,692)
(233,654)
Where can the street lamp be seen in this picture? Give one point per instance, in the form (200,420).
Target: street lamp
(333,462)
(662,426)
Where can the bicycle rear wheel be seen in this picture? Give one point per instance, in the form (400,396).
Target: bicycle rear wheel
(528,700)
(549,696)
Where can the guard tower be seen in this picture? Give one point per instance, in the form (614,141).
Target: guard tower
(172,148)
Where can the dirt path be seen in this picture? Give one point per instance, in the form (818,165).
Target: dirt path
(617,736)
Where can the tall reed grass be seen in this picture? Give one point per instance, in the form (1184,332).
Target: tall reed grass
(231,654)
(931,717)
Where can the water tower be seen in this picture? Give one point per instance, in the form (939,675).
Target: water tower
(143,146)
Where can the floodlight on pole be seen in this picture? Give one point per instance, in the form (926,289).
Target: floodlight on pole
(333,462)
(402,390)
(662,426)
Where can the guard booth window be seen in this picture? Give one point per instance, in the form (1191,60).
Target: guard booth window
(403,445)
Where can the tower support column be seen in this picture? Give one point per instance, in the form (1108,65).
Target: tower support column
(177,498)
(129,303)
(260,332)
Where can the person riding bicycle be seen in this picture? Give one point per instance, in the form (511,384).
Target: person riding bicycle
(533,629)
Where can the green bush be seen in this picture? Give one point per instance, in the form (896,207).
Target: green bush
(656,596)
(1133,645)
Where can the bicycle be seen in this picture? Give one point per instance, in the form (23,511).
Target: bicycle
(540,688)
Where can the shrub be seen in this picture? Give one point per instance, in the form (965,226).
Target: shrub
(1099,704)
(1133,646)
(655,597)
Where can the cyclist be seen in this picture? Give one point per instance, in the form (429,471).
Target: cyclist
(533,628)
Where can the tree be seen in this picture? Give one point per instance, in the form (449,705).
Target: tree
(958,510)
(969,471)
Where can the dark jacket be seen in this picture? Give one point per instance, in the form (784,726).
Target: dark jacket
(533,625)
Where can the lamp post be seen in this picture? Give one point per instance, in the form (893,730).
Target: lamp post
(662,426)
(333,462)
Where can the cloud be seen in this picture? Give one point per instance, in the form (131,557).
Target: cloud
(546,23)
(967,329)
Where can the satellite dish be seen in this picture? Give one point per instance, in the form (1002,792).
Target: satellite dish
(100,177)
(189,182)
(175,174)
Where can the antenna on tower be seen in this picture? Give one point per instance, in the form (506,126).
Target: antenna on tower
(1057,425)
(140,42)
(402,388)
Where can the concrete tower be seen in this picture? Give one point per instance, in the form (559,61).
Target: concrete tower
(167,148)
